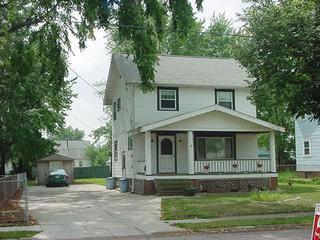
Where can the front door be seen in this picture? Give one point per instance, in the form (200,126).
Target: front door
(167,151)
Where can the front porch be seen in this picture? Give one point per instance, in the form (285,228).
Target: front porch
(182,158)
(214,147)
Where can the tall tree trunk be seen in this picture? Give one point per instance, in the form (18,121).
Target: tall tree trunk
(3,159)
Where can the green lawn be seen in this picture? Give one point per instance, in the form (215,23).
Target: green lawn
(99,181)
(247,222)
(17,234)
(298,198)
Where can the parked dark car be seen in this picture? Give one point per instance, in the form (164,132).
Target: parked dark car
(58,178)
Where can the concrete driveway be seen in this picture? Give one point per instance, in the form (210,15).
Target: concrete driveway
(91,211)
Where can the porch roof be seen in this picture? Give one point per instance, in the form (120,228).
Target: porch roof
(245,122)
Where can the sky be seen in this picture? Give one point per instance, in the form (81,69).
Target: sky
(92,65)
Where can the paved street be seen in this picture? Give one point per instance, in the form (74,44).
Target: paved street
(82,211)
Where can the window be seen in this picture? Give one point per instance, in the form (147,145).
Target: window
(225,98)
(168,99)
(166,147)
(306,148)
(118,104)
(115,150)
(130,143)
(80,163)
(114,111)
(210,148)
(123,160)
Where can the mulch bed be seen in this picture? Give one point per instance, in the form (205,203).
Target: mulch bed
(12,214)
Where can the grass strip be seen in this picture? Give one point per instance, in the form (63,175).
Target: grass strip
(256,222)
(17,234)
(99,181)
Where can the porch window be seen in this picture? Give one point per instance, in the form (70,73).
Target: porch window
(306,148)
(168,99)
(225,98)
(211,148)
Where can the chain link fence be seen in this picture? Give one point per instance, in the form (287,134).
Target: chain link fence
(14,199)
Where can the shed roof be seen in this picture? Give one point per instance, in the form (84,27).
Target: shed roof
(55,157)
(183,70)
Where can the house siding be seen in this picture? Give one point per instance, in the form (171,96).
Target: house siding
(306,130)
(246,146)
(121,126)
(190,99)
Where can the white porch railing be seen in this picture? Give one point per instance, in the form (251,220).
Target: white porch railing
(233,166)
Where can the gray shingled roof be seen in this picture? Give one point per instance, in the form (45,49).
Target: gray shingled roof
(179,71)
(55,157)
(184,70)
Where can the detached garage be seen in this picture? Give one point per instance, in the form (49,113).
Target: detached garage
(52,163)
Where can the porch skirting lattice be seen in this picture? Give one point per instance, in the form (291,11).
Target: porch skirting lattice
(236,185)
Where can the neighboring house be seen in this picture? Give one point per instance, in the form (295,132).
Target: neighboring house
(197,125)
(52,163)
(75,150)
(307,134)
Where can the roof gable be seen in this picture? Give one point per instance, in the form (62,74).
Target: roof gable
(213,118)
(55,157)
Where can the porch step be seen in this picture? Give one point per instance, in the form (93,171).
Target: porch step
(165,187)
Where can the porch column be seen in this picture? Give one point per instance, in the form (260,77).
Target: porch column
(273,164)
(190,153)
(147,153)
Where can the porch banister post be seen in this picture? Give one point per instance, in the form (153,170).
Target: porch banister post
(147,148)
(190,153)
(272,152)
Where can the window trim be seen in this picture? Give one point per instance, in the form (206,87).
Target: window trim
(209,136)
(118,104)
(115,150)
(176,100)
(225,90)
(303,148)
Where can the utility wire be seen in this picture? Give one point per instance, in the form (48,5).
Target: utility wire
(83,79)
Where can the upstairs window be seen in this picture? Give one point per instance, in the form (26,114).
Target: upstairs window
(114,111)
(118,104)
(225,98)
(168,99)
(306,148)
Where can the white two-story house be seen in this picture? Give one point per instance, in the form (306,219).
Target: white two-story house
(197,125)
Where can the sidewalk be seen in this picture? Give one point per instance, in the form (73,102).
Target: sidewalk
(200,220)
(36,228)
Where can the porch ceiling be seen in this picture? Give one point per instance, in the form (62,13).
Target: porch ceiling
(213,118)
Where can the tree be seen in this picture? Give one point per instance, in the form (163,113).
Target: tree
(101,150)
(69,133)
(217,40)
(33,95)
(283,53)
(140,22)
(34,44)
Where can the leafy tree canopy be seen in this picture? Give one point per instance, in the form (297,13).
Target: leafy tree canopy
(69,133)
(34,45)
(283,53)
